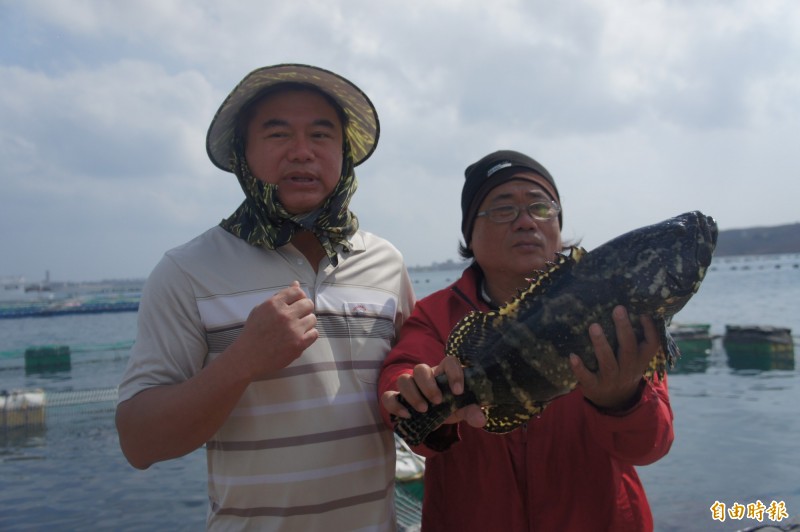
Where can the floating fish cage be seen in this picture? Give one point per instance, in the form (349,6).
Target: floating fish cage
(690,331)
(759,347)
(48,358)
(63,307)
(694,342)
(20,409)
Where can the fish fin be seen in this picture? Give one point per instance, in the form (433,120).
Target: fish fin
(541,280)
(472,334)
(482,327)
(658,366)
(505,418)
(673,351)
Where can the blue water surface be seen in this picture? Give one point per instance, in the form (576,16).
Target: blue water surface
(737,431)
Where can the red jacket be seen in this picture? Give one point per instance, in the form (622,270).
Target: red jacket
(570,469)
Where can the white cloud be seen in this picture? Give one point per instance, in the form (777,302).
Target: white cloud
(640,109)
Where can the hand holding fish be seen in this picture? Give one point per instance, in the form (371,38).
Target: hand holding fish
(614,387)
(520,357)
(616,384)
(420,389)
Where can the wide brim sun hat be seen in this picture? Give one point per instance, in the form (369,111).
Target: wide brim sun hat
(363,128)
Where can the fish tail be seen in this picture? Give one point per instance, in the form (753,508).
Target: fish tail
(464,343)
(418,427)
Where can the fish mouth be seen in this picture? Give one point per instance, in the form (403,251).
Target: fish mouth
(707,234)
(702,232)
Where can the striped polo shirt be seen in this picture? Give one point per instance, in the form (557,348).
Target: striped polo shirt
(305,448)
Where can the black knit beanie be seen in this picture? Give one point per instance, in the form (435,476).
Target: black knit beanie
(491,171)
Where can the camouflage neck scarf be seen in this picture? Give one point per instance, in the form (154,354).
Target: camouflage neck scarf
(261,220)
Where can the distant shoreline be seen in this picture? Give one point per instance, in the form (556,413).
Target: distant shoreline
(460,265)
(778,240)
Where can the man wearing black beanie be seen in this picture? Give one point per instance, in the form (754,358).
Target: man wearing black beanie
(571,467)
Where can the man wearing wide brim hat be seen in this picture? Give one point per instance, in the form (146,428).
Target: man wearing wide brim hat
(362,129)
(262,338)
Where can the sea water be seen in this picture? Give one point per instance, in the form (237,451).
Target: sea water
(736,431)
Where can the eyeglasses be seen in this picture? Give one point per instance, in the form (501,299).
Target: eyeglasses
(540,210)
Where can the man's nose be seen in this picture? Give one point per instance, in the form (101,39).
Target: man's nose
(300,150)
(525,220)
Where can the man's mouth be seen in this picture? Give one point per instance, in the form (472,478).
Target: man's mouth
(528,244)
(300,178)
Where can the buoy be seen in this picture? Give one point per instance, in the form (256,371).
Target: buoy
(21,408)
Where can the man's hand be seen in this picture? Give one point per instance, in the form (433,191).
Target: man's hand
(618,378)
(420,388)
(277,331)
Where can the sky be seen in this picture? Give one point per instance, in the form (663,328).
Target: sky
(640,109)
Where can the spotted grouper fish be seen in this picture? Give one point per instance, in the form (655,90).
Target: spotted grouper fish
(516,359)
